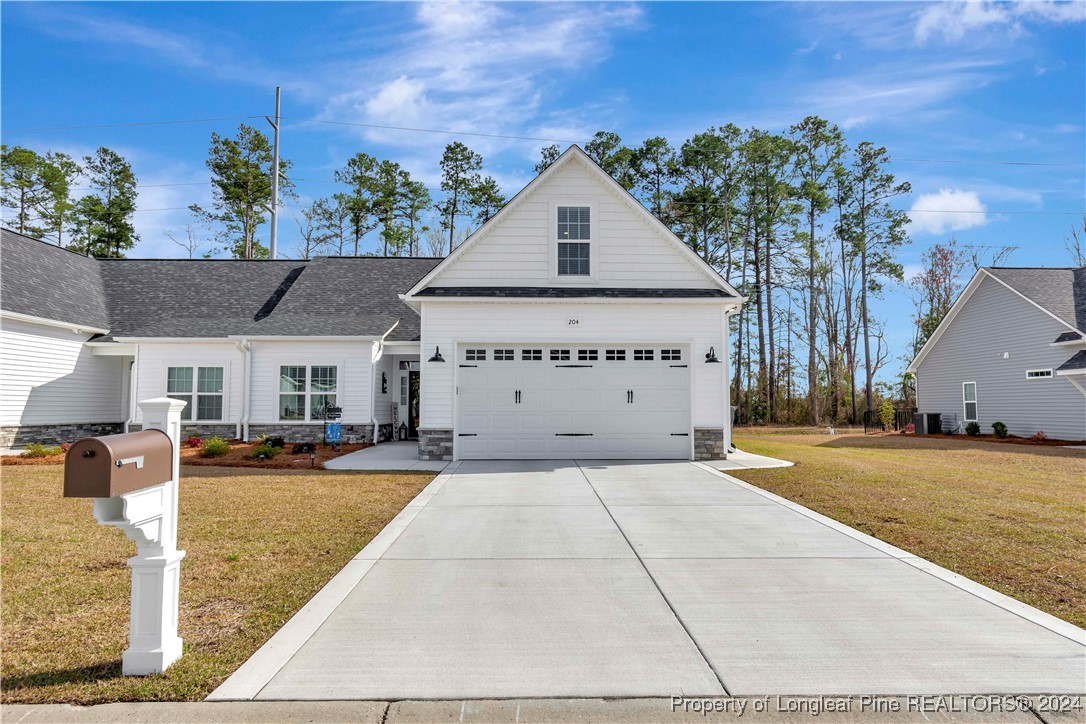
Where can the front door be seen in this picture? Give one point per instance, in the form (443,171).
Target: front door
(413,404)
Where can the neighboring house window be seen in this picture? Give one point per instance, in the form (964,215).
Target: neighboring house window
(205,401)
(1038,374)
(574,230)
(306,393)
(969,396)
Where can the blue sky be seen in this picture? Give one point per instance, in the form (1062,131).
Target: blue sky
(955,91)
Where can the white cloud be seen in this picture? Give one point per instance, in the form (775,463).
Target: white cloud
(955,20)
(476,66)
(947,210)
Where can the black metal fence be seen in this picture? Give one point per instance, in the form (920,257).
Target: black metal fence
(873,420)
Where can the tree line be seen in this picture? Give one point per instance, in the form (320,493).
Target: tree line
(804,223)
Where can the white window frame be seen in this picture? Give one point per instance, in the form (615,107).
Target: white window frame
(194,407)
(966,403)
(309,365)
(1032,374)
(593,242)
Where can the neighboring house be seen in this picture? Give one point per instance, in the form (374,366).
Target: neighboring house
(572,324)
(1012,349)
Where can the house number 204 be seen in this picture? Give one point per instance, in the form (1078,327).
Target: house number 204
(574,322)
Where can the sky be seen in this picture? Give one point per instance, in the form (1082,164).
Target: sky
(981,106)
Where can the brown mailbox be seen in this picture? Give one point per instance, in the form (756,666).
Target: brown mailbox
(102,467)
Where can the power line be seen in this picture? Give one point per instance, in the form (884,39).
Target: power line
(127,125)
(477,134)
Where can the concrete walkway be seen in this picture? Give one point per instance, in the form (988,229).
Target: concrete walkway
(395,455)
(558,579)
(739,460)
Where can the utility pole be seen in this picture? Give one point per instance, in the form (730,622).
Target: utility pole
(273,240)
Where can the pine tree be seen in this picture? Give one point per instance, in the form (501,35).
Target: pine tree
(459,175)
(103,220)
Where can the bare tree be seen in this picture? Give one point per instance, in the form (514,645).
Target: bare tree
(192,242)
(313,229)
(1075,244)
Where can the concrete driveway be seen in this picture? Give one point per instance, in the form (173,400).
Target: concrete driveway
(567,579)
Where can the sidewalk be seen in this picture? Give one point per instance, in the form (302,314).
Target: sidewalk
(815,710)
(397,455)
(739,460)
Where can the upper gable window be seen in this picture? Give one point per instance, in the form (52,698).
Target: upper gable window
(574,223)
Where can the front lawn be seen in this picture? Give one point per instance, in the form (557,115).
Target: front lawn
(1012,517)
(259,545)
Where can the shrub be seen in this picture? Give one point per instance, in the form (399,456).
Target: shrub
(999,429)
(1039,436)
(214,447)
(910,428)
(972,428)
(887,414)
(194,441)
(37,450)
(265,452)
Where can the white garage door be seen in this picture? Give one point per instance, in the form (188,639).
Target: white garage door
(559,401)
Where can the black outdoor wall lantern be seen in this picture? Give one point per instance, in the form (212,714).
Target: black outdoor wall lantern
(437,356)
(710,356)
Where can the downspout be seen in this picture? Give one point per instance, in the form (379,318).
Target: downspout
(245,347)
(132,390)
(373,379)
(728,421)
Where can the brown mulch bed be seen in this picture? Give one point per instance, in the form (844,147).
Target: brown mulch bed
(236,458)
(1012,439)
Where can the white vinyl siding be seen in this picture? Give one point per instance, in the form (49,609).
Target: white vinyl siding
(537,328)
(48,377)
(995,321)
(153,378)
(354,378)
(627,251)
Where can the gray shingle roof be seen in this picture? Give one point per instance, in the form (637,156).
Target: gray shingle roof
(1068,337)
(337,296)
(571,292)
(43,280)
(1061,291)
(1077,362)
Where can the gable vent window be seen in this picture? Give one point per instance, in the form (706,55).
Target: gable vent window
(475,355)
(643,355)
(531,355)
(616,355)
(1038,374)
(587,355)
(574,231)
(503,355)
(559,355)
(671,355)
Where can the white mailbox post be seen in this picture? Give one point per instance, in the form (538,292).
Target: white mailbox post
(149,517)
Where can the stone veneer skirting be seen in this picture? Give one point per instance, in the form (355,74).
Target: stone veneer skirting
(225,431)
(435,444)
(709,443)
(312,432)
(17,436)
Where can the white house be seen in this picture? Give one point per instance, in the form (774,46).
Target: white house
(572,324)
(1012,349)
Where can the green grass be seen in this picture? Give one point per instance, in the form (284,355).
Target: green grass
(259,544)
(1012,517)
